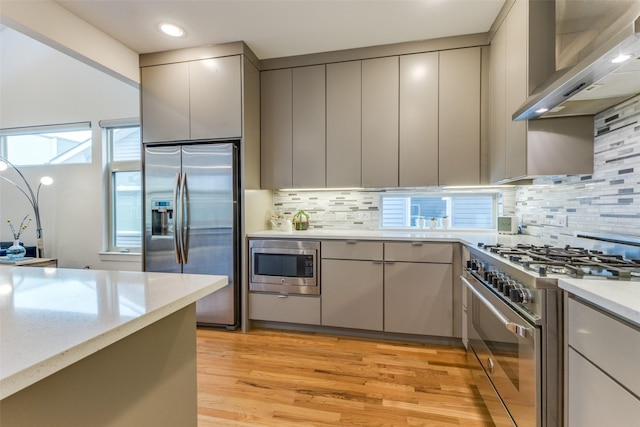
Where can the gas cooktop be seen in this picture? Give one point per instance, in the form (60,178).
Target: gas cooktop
(571,261)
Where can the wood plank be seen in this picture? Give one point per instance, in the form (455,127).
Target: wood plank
(283,378)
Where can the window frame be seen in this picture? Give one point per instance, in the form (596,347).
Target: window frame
(494,194)
(112,168)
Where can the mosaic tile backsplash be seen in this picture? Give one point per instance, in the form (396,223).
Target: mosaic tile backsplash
(604,203)
(354,209)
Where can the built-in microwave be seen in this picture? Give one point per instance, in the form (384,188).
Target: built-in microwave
(284,266)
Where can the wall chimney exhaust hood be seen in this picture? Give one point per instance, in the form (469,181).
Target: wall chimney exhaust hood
(596,83)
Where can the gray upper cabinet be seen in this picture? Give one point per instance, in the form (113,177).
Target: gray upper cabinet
(380,92)
(192,100)
(308,130)
(497,128)
(459,124)
(216,98)
(164,93)
(276,110)
(344,113)
(418,120)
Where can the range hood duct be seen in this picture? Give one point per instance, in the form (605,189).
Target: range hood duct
(594,84)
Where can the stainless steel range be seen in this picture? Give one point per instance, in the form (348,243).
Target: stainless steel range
(515,321)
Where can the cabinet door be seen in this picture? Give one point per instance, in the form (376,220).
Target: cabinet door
(515,81)
(309,127)
(344,119)
(164,92)
(276,159)
(595,399)
(418,120)
(216,98)
(498,112)
(352,293)
(418,298)
(380,91)
(459,148)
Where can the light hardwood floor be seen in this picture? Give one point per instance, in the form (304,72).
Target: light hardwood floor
(282,378)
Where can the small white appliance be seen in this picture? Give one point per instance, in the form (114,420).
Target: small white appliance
(508,225)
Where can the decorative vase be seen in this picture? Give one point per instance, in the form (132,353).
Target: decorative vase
(445,222)
(16,251)
(433,224)
(421,222)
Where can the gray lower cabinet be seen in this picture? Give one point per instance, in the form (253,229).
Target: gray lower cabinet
(352,284)
(418,288)
(418,298)
(284,308)
(602,375)
(352,294)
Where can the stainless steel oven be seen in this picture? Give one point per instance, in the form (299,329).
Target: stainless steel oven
(507,347)
(514,328)
(284,266)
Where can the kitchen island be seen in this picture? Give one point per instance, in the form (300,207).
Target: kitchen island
(99,348)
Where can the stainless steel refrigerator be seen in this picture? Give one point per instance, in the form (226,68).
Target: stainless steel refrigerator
(191,219)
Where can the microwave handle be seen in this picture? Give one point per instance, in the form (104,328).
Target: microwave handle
(514,328)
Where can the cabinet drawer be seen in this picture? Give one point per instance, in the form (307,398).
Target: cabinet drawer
(352,249)
(418,252)
(611,345)
(284,308)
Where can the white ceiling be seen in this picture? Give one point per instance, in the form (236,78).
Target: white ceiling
(277,28)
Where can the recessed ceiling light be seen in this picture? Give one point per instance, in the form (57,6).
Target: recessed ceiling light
(172,30)
(620,58)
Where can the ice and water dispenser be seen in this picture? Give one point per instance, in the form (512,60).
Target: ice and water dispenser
(162,218)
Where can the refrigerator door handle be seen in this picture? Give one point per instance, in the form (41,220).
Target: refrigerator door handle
(184,218)
(177,237)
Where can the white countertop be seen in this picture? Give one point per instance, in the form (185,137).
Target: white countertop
(466,237)
(51,318)
(621,298)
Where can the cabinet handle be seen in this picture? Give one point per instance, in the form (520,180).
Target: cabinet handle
(389,262)
(416,243)
(377,262)
(283,296)
(351,242)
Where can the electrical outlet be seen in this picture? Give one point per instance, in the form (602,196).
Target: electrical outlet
(561,220)
(364,216)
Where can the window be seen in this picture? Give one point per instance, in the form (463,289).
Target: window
(125,187)
(465,211)
(43,145)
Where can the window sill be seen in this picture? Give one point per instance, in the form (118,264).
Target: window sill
(120,256)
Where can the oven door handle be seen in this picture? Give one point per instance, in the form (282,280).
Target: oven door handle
(512,327)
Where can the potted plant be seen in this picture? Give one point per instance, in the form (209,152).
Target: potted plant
(301,220)
(445,221)
(433,223)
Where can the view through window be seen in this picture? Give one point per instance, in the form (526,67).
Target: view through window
(125,188)
(465,211)
(43,145)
